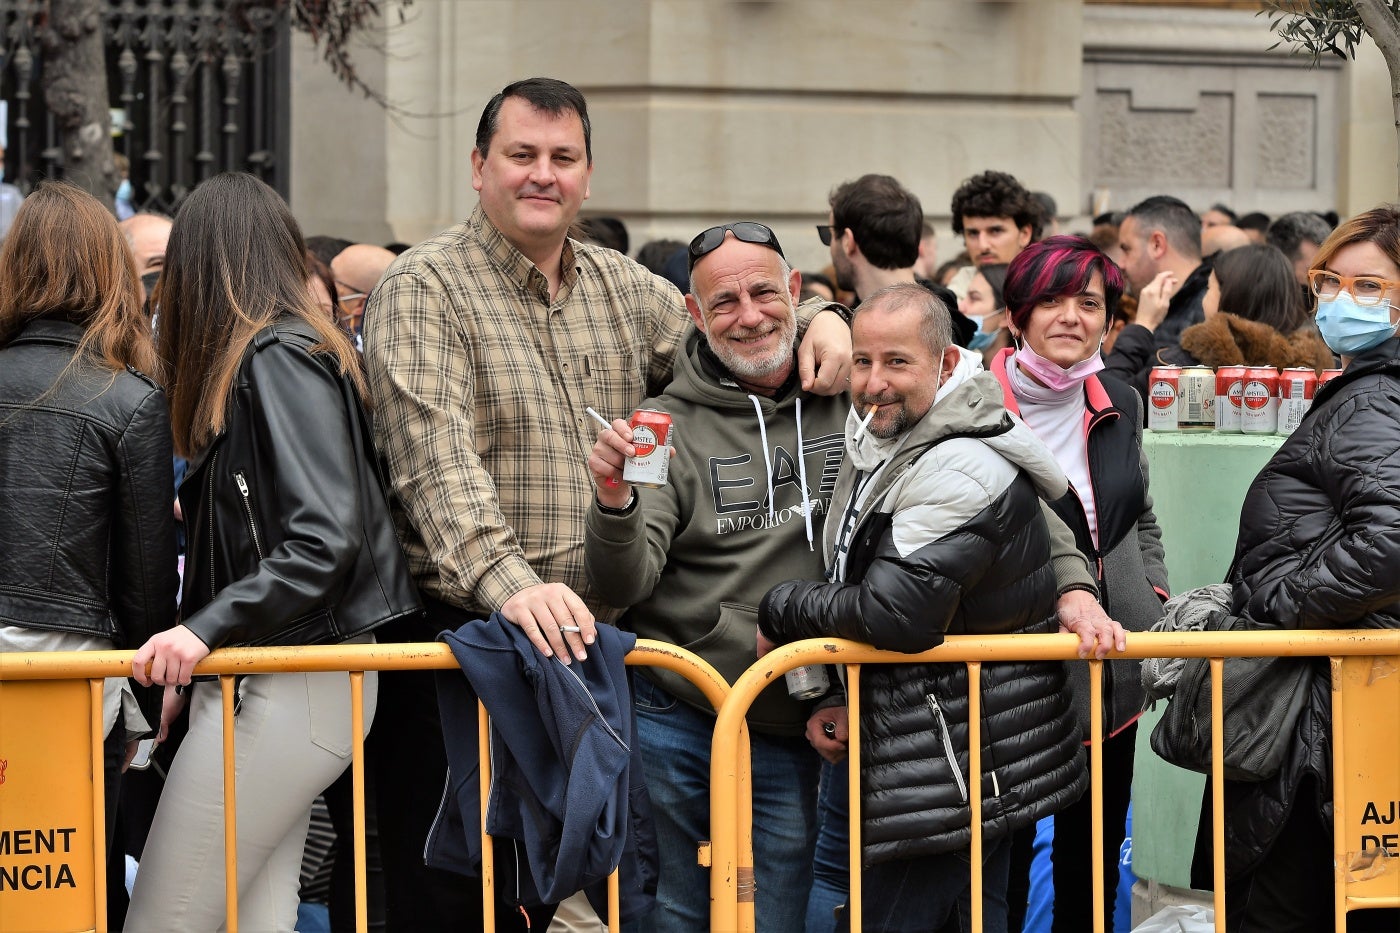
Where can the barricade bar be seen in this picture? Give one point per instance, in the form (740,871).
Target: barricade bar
(229,663)
(973,651)
(731,798)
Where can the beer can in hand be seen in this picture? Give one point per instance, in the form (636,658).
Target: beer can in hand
(807,683)
(651,437)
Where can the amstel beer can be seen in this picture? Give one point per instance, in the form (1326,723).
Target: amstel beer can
(1229,389)
(651,437)
(1259,400)
(1296,388)
(1163,398)
(1327,376)
(1196,393)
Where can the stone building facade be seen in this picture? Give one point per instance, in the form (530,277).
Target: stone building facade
(708,110)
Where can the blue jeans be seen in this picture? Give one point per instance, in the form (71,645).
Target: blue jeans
(919,895)
(675,740)
(831,865)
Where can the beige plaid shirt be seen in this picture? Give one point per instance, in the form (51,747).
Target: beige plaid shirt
(480,384)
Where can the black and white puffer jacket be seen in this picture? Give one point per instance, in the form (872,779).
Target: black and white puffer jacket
(951,539)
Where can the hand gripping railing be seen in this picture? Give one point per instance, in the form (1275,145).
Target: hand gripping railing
(732,909)
(230,663)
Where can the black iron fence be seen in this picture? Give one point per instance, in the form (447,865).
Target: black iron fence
(196,87)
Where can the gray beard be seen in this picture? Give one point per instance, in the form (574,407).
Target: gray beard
(748,367)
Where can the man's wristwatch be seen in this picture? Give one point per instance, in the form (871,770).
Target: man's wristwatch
(626,507)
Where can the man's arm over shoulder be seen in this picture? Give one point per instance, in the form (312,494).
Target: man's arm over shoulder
(913,586)
(424,387)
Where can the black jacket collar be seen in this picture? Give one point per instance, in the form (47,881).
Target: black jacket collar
(50,330)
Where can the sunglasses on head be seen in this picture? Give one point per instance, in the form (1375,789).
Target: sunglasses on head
(747,230)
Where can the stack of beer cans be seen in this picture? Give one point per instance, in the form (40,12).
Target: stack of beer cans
(1231,399)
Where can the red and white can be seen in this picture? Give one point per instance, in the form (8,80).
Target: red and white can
(1196,390)
(1296,388)
(1259,400)
(1327,376)
(1229,391)
(1163,398)
(651,437)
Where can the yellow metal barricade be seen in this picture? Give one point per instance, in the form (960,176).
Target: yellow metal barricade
(52,813)
(1366,671)
(1366,782)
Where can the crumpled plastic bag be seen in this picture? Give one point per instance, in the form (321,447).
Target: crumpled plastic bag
(1179,918)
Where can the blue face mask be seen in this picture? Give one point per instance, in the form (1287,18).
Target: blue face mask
(1349,328)
(124,190)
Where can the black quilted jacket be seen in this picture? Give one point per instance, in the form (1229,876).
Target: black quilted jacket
(990,575)
(1318,548)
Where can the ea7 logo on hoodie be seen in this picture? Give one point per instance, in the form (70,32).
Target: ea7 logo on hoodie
(744,498)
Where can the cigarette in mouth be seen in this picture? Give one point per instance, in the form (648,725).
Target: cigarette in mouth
(860,431)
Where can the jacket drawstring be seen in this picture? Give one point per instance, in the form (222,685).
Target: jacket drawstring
(802,477)
(767,460)
(801,469)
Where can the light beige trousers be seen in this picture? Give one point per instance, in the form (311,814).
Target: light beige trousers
(291,740)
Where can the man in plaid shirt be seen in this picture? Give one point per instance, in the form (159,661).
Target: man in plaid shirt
(484,345)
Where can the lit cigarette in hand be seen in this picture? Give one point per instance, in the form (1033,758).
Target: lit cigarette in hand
(611,482)
(860,431)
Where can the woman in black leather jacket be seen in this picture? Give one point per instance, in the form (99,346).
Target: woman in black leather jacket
(290,543)
(86,511)
(1318,547)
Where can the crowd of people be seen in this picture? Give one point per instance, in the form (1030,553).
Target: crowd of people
(388,443)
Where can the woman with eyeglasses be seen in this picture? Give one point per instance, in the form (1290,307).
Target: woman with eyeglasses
(1318,548)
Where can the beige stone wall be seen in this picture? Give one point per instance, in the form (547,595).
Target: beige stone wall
(710,110)
(1193,102)
(1366,142)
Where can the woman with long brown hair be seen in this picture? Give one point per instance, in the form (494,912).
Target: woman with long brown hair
(86,511)
(290,543)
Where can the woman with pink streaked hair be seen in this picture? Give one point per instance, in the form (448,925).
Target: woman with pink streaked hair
(1061,295)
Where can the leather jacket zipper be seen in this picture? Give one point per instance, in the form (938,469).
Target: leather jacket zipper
(248,511)
(941,721)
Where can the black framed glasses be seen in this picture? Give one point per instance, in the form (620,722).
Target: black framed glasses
(825,232)
(747,230)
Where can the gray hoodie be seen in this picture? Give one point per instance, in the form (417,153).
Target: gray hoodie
(694,557)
